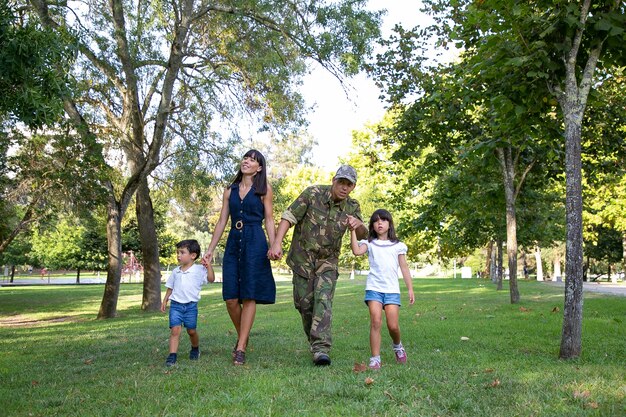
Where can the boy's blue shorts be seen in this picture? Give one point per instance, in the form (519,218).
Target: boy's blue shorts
(184,314)
(382,297)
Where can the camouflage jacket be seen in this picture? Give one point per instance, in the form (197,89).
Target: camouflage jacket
(320,223)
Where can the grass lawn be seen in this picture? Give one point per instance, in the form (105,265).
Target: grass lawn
(57,360)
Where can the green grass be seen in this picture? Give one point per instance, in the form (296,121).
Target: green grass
(57,360)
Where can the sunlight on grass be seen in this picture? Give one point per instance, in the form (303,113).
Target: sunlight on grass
(57,359)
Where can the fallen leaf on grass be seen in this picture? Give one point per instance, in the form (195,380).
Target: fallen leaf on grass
(369,381)
(464,338)
(495,383)
(524,309)
(582,394)
(359,367)
(556,310)
(593,405)
(489,370)
(34,383)
(88,361)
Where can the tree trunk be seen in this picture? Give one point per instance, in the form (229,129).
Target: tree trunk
(108,307)
(149,249)
(505,155)
(539,264)
(524,264)
(493,273)
(571,338)
(500,273)
(12,273)
(573,100)
(488,260)
(78,275)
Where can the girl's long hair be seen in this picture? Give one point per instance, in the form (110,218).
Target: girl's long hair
(259,181)
(383,215)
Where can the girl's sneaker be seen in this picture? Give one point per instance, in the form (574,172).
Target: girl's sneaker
(374,364)
(400,355)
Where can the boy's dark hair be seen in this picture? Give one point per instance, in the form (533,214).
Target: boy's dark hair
(191,245)
(383,215)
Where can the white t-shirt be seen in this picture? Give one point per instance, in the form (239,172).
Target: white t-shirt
(383,257)
(186,285)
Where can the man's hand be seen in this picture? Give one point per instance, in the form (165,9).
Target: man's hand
(354,223)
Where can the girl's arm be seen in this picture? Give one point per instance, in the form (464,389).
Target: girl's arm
(354,244)
(270,226)
(406,274)
(219,227)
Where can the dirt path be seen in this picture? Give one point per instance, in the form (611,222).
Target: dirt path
(597,287)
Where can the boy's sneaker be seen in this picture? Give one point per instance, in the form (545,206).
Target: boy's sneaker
(374,364)
(400,355)
(171,360)
(194,353)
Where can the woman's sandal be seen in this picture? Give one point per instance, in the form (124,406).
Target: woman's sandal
(236,344)
(240,357)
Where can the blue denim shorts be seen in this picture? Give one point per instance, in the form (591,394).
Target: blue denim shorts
(382,297)
(184,314)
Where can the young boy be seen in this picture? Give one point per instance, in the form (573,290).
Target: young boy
(183,288)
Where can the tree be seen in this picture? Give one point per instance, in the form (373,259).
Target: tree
(217,60)
(17,253)
(60,248)
(557,45)
(39,172)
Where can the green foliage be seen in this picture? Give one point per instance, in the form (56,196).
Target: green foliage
(52,347)
(19,252)
(59,248)
(34,67)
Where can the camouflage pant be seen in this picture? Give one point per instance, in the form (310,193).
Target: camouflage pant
(313,298)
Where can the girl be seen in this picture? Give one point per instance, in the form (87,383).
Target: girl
(382,291)
(247,273)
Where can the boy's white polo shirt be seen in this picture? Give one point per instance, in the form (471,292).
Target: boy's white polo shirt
(186,285)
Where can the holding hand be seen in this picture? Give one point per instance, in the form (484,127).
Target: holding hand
(353,223)
(207,258)
(275,252)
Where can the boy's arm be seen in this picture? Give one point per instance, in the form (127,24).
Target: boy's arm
(406,275)
(354,244)
(210,274)
(168,292)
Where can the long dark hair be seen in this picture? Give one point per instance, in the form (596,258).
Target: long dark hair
(383,215)
(259,181)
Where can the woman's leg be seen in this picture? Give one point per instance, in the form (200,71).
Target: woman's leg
(234,311)
(248,313)
(376,317)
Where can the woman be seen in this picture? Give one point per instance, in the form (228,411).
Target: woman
(247,273)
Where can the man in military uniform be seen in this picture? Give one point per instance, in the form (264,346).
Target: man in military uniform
(321,215)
